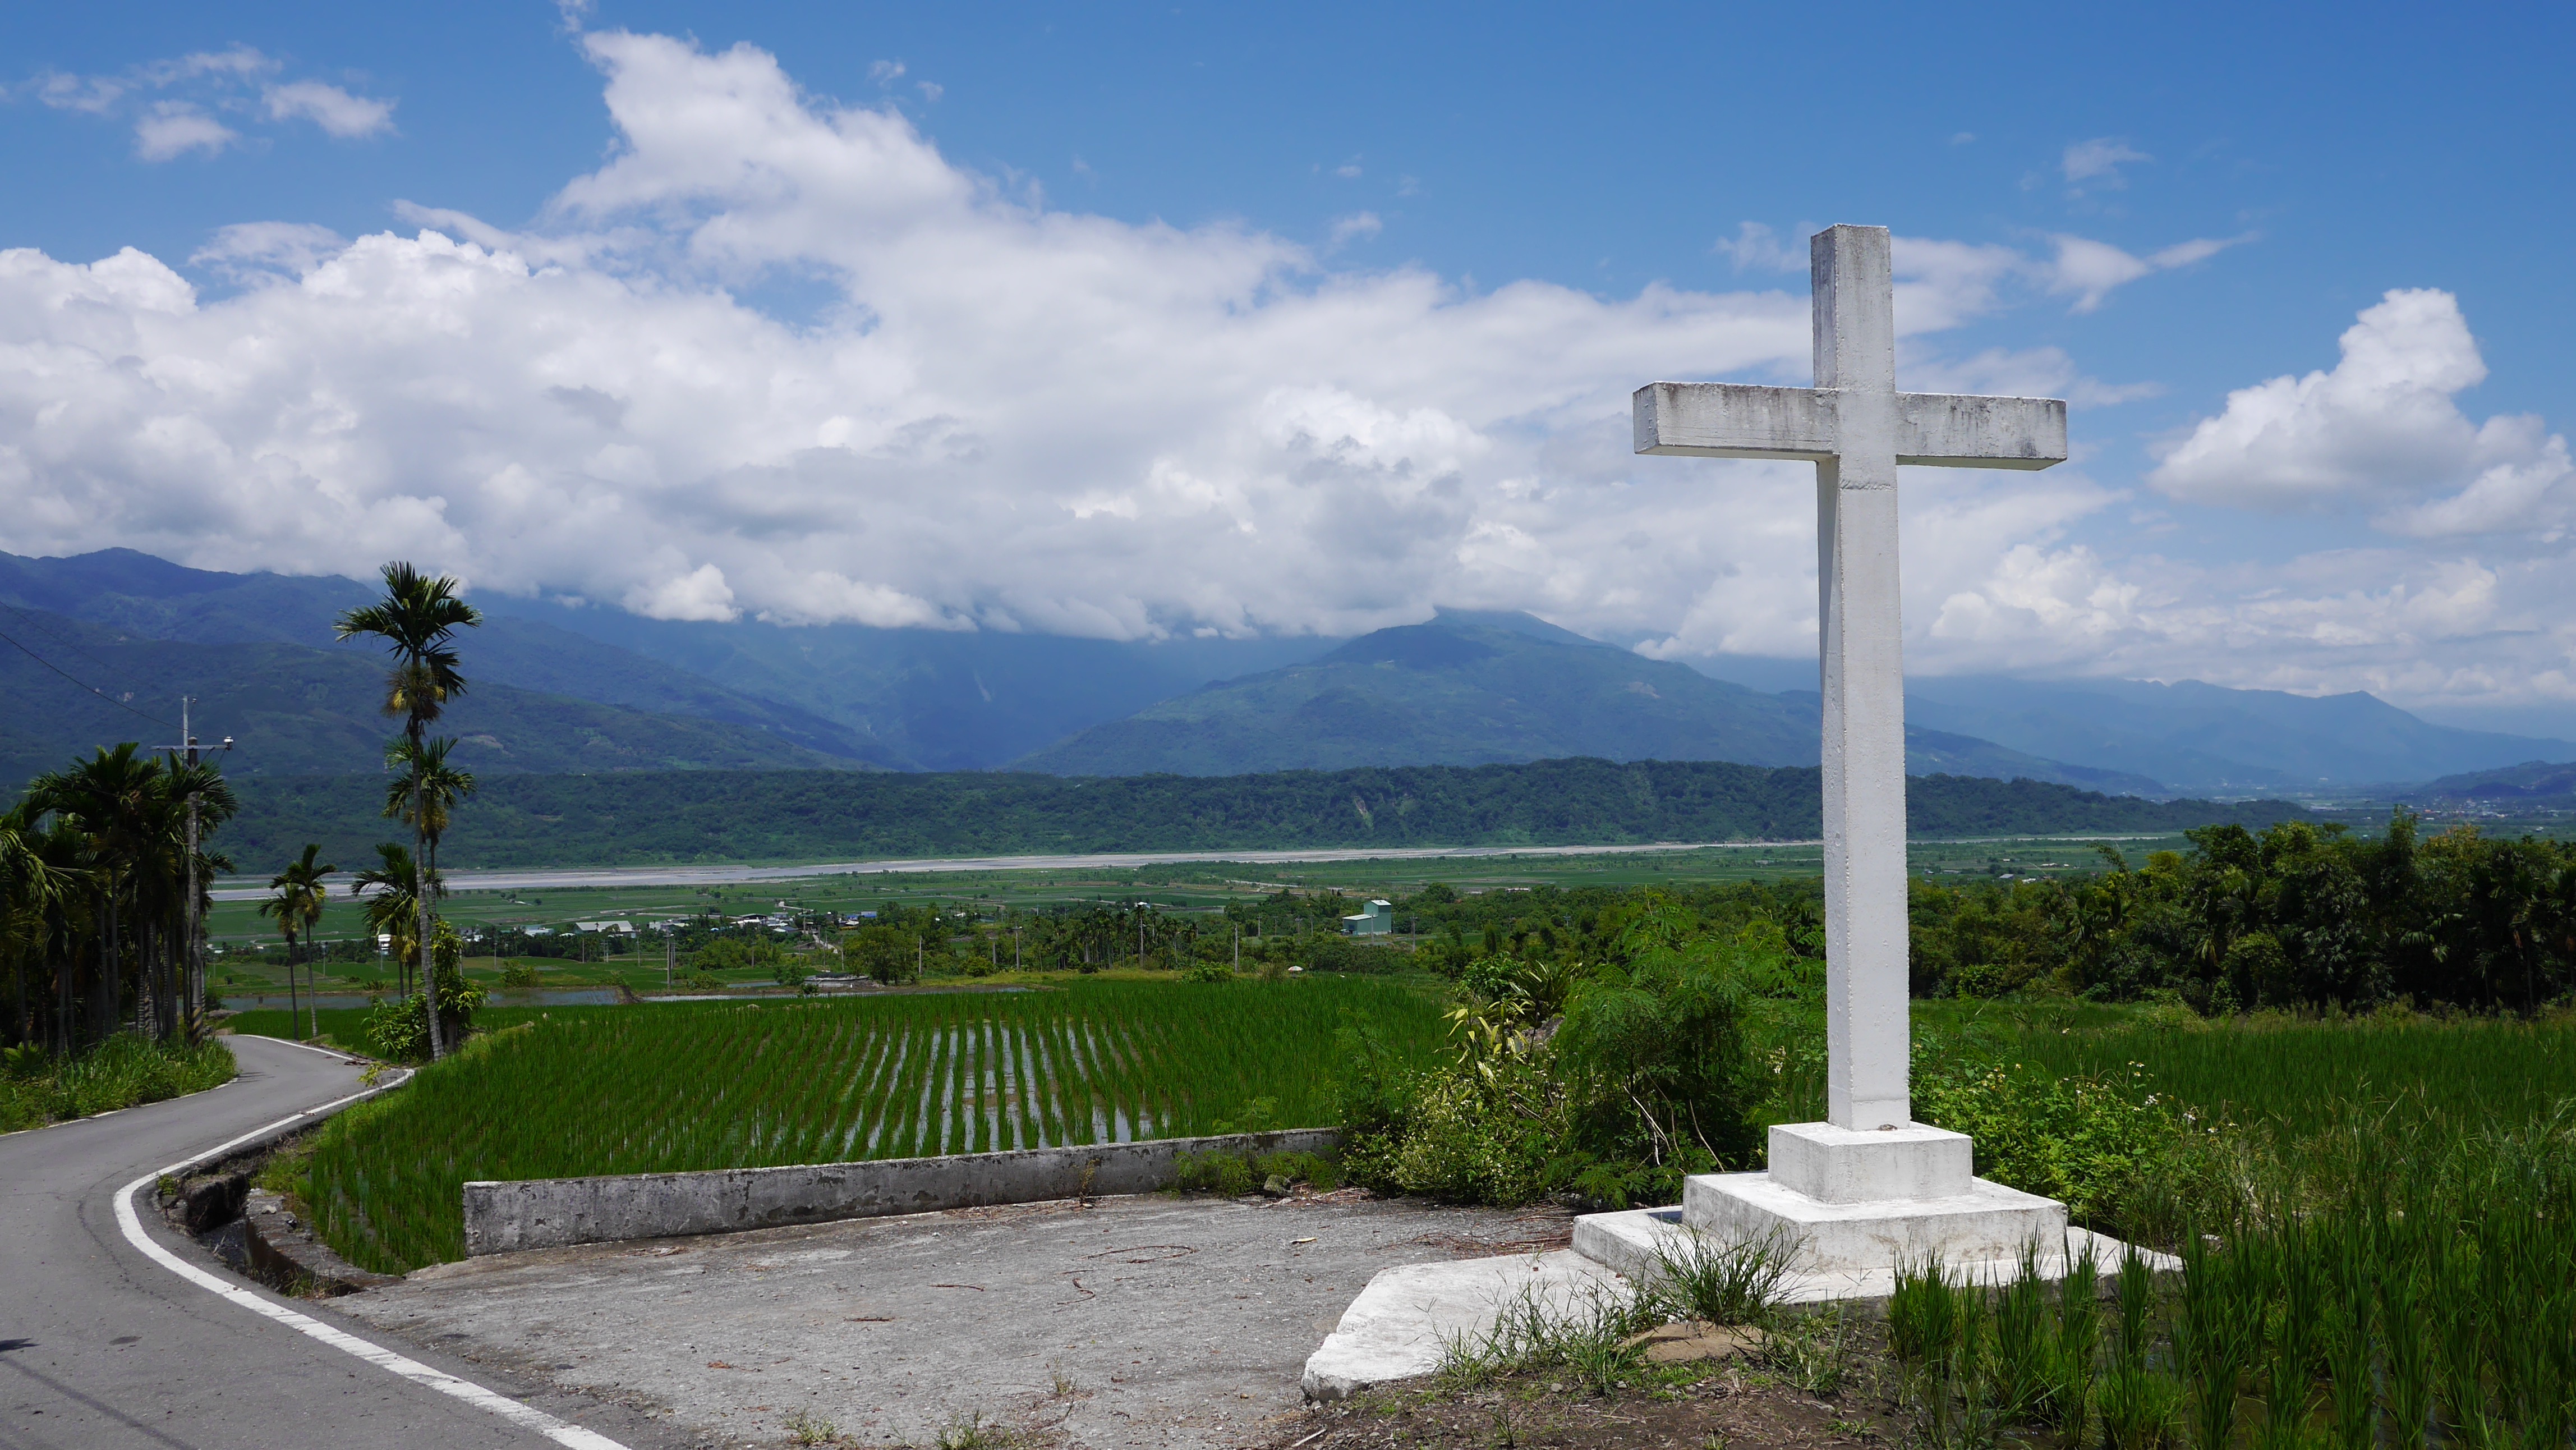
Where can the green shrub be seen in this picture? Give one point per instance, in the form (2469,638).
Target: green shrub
(2092,1142)
(399,1031)
(1475,1132)
(1235,1174)
(1229,1175)
(121,1072)
(1657,1072)
(1209,972)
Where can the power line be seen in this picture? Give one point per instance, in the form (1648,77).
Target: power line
(66,641)
(93,689)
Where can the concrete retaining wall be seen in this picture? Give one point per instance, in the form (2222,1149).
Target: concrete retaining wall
(545,1213)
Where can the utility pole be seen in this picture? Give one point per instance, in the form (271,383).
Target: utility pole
(670,957)
(192,972)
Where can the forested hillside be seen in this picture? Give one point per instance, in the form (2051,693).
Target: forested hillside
(650,817)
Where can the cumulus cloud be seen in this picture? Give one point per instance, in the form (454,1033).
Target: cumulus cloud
(2382,432)
(1014,417)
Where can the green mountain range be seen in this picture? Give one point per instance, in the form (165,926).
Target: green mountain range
(299,711)
(565,685)
(1470,688)
(703,816)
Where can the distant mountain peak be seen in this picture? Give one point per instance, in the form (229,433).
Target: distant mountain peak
(1513,621)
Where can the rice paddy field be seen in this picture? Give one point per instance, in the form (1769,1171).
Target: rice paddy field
(2297,1075)
(2379,1241)
(687,1086)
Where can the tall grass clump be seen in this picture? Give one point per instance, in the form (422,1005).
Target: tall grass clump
(682,1087)
(122,1072)
(2404,1279)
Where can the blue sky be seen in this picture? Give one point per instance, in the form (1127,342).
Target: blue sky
(1436,236)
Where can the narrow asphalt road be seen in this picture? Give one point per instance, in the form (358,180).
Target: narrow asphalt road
(101,1348)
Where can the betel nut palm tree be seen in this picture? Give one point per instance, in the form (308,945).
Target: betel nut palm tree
(423,790)
(392,890)
(111,800)
(415,620)
(295,900)
(32,888)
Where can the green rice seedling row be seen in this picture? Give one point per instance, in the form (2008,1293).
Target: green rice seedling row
(673,1088)
(2301,1074)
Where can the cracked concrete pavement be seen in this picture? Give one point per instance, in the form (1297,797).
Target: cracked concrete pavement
(1144,1321)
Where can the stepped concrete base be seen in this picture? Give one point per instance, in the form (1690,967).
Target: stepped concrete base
(1988,1221)
(1628,1242)
(1847,1165)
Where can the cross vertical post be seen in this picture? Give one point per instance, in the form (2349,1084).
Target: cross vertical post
(1862,680)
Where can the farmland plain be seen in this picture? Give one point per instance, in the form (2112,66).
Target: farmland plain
(689,1086)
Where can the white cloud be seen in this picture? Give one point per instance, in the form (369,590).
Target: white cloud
(2100,160)
(699,594)
(200,95)
(174,128)
(1757,248)
(2381,433)
(329,107)
(2091,270)
(1023,418)
(263,251)
(1355,226)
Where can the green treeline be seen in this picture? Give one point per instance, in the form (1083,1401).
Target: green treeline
(2296,915)
(692,816)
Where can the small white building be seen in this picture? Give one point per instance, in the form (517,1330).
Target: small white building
(612,928)
(1378,919)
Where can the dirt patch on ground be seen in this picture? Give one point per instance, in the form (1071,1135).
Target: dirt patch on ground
(1705,1407)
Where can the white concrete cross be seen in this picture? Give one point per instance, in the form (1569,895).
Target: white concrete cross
(1856,428)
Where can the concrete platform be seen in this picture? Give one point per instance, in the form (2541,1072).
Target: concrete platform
(1403,1322)
(1144,1323)
(1628,1242)
(1987,1221)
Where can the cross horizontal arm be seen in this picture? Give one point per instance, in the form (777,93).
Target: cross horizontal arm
(1948,430)
(1733,420)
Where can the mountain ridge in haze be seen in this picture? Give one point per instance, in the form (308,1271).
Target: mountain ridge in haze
(920,699)
(1480,687)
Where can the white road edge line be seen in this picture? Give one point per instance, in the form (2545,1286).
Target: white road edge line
(527,1417)
(331,1053)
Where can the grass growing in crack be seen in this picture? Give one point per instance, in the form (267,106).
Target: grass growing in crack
(1579,1332)
(1698,1277)
(970,1432)
(805,1429)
